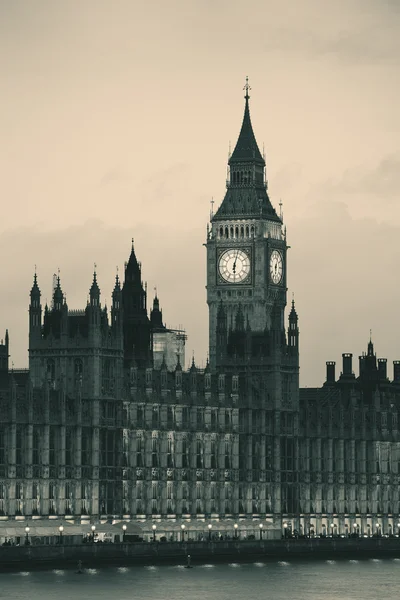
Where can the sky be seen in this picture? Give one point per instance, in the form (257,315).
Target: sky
(116,119)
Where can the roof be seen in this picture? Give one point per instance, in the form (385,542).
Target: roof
(246,148)
(250,202)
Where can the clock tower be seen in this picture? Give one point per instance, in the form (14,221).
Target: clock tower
(246,266)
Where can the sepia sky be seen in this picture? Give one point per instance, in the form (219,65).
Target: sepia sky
(115,121)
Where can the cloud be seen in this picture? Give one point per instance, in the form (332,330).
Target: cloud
(381,180)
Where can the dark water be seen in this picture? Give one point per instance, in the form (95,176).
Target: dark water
(317,580)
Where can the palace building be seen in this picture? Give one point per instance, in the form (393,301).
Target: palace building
(106,423)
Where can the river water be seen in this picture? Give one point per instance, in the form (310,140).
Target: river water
(298,580)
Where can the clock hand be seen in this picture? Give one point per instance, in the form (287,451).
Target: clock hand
(234,264)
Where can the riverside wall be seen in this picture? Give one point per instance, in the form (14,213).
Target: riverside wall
(97,554)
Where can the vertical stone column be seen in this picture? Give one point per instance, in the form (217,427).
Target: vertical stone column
(276,508)
(77,454)
(95,406)
(45,451)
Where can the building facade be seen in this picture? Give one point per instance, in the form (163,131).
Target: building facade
(103,426)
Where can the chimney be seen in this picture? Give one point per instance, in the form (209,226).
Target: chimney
(330,372)
(347,365)
(396,371)
(382,369)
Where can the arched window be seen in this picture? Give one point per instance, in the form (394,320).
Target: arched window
(242,231)
(247,231)
(252,231)
(231,232)
(237,232)
(221,232)
(226,232)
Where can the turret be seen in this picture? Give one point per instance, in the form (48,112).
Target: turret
(293,332)
(4,354)
(94,307)
(156,316)
(116,308)
(35,312)
(57,296)
(136,324)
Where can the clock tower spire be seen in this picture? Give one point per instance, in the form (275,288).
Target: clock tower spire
(246,262)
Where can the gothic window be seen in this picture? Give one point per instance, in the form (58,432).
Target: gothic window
(228,460)
(235,383)
(52,451)
(247,231)
(170,451)
(207,381)
(185,498)
(200,418)
(139,416)
(170,417)
(86,444)
(199,498)
(242,232)
(154,452)
(68,498)
(68,446)
(213,455)
(236,232)
(164,378)
(199,454)
(231,232)
(185,417)
(155,417)
(185,453)
(2,448)
(255,499)
(221,232)
(221,382)
(19,453)
(214,418)
(2,499)
(52,498)
(19,498)
(155,497)
(85,498)
(51,370)
(226,232)
(35,498)
(149,377)
(78,368)
(252,231)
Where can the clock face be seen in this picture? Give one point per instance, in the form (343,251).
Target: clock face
(234,265)
(276,266)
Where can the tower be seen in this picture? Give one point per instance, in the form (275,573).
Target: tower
(35,313)
(246,255)
(136,324)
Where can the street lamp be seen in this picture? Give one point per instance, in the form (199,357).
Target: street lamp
(61,529)
(332,526)
(209,531)
(93,530)
(377,529)
(27,534)
(261,530)
(123,532)
(236,530)
(154,527)
(285,530)
(183,532)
